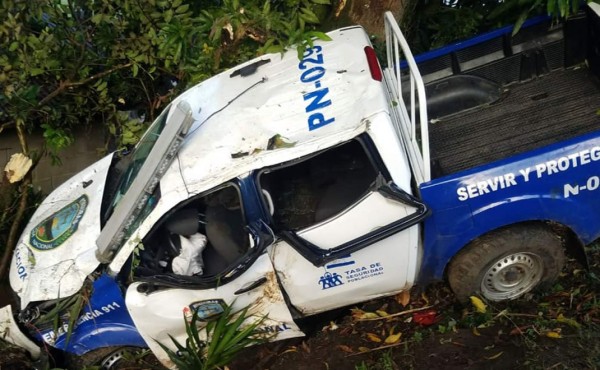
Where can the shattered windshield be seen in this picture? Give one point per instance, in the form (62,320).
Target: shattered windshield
(135,160)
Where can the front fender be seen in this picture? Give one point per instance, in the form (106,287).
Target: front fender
(104,322)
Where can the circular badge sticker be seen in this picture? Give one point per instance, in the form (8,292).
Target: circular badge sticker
(57,228)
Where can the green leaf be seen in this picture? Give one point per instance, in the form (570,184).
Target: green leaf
(135,68)
(13,46)
(168,15)
(36,71)
(101,86)
(182,9)
(551,6)
(302,23)
(320,35)
(322,2)
(308,15)
(519,22)
(575,6)
(97,18)
(73,316)
(564,7)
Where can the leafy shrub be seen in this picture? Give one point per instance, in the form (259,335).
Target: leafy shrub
(226,337)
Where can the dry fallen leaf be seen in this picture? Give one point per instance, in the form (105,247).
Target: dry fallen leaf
(363,349)
(340,7)
(290,349)
(359,314)
(476,332)
(478,304)
(382,313)
(277,141)
(331,327)
(305,347)
(553,334)
(345,348)
(495,356)
(393,338)
(403,298)
(373,338)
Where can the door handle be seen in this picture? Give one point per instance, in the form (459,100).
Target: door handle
(250,286)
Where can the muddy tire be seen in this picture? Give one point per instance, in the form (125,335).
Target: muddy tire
(507,263)
(107,358)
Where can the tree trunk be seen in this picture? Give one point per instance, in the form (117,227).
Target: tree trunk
(369,14)
(15,228)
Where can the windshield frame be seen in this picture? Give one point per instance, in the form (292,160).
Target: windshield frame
(131,164)
(143,180)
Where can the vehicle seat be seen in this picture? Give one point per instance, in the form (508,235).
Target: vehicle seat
(183,222)
(344,191)
(225,233)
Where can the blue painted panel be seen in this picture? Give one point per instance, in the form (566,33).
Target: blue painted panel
(253,207)
(104,322)
(560,183)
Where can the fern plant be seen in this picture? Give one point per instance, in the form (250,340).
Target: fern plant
(225,337)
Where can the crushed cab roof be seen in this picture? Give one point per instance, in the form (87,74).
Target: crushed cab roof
(243,123)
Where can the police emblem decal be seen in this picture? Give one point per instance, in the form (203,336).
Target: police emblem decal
(57,228)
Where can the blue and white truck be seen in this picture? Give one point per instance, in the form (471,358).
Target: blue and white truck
(294,187)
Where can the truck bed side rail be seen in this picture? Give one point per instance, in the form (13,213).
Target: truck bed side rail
(411,115)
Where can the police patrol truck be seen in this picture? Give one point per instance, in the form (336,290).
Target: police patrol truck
(299,186)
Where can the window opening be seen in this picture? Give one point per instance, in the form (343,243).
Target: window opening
(202,237)
(320,187)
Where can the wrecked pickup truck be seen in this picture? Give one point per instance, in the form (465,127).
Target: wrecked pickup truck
(299,186)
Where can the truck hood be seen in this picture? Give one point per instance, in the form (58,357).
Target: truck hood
(56,251)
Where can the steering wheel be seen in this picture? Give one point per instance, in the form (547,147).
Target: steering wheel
(173,246)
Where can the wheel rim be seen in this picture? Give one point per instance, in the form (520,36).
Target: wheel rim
(512,276)
(111,360)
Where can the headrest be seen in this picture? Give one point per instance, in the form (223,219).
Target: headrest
(183,222)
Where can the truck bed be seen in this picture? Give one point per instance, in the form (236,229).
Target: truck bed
(529,115)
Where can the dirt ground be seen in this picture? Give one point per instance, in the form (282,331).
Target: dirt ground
(554,328)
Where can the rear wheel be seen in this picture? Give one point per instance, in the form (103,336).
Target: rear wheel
(507,263)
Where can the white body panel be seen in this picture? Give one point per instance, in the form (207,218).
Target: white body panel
(59,271)
(390,148)
(161,313)
(236,117)
(382,268)
(368,214)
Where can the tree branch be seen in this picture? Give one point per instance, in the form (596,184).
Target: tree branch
(22,137)
(68,84)
(15,227)
(6,125)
